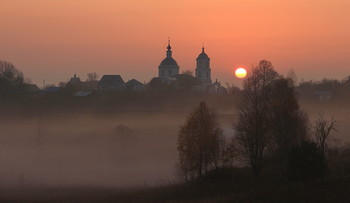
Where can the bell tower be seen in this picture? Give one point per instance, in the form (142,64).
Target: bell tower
(203,71)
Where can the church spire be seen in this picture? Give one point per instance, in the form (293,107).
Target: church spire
(169,52)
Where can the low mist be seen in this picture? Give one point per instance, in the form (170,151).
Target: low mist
(74,149)
(83,149)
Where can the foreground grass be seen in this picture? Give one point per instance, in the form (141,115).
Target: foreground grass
(230,186)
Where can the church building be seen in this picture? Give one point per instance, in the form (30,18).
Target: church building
(168,74)
(168,67)
(203,72)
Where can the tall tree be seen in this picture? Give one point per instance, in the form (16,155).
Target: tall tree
(289,124)
(253,129)
(199,142)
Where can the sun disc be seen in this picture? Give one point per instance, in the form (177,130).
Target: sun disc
(240,73)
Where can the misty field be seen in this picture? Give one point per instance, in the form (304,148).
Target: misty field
(79,150)
(83,149)
(341,113)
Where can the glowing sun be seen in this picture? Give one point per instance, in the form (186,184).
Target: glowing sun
(240,73)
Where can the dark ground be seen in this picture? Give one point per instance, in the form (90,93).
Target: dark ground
(238,186)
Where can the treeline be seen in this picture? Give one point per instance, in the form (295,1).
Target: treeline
(271,133)
(338,90)
(20,96)
(16,94)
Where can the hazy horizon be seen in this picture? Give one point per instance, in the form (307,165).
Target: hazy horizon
(52,40)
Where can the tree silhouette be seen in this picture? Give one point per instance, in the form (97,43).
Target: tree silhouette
(92,77)
(199,142)
(305,161)
(289,124)
(323,128)
(253,129)
(10,78)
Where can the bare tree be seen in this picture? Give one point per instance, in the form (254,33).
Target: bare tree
(291,75)
(9,74)
(323,128)
(92,76)
(253,129)
(199,142)
(228,153)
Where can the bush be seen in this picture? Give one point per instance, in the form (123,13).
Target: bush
(305,161)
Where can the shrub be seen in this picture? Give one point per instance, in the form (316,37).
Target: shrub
(305,161)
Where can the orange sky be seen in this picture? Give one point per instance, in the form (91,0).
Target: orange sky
(53,39)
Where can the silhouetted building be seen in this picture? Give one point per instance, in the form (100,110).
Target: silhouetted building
(111,82)
(170,79)
(179,83)
(135,85)
(203,71)
(185,82)
(324,96)
(90,85)
(76,84)
(160,84)
(168,67)
(52,89)
(74,81)
(217,88)
(30,88)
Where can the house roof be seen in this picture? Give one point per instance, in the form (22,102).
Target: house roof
(111,80)
(216,83)
(133,82)
(52,89)
(31,87)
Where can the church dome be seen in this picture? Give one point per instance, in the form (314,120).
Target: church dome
(168,67)
(203,55)
(168,61)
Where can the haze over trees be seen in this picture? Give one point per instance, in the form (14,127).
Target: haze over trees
(272,136)
(271,130)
